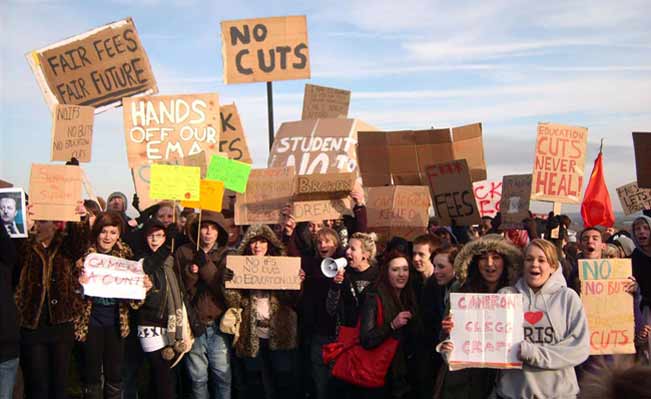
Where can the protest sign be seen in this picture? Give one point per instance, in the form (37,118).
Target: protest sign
(13,215)
(324,186)
(633,198)
(452,193)
(112,277)
(398,211)
(514,206)
(325,102)
(54,191)
(642,146)
(267,192)
(234,174)
(233,139)
(264,272)
(198,160)
(141,175)
(400,158)
(488,194)
(210,197)
(172,182)
(608,307)
(317,145)
(265,49)
(72,132)
(559,163)
(488,330)
(337,208)
(5,184)
(166,128)
(97,68)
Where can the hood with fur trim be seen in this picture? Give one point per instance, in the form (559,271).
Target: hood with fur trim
(217,218)
(264,231)
(490,242)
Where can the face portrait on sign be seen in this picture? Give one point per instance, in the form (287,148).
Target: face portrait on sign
(12,212)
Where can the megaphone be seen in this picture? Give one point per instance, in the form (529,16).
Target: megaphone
(330,266)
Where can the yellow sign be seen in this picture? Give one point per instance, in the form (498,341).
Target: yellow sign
(171,182)
(212,194)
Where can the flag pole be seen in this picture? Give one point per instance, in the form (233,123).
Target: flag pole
(601,147)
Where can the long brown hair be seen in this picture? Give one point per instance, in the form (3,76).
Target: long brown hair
(407,299)
(108,218)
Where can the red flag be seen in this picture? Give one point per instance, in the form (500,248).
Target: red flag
(596,208)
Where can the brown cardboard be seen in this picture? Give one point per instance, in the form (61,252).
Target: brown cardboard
(264,272)
(97,68)
(72,132)
(326,186)
(400,157)
(167,128)
(140,175)
(199,160)
(317,145)
(305,211)
(398,211)
(516,193)
(559,163)
(452,193)
(267,192)
(325,102)
(633,198)
(5,184)
(54,192)
(233,139)
(265,49)
(642,145)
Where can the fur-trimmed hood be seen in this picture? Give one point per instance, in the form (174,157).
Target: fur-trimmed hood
(264,231)
(490,242)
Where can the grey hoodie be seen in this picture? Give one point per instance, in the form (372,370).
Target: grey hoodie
(556,339)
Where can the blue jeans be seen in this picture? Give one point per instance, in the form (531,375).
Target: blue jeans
(209,354)
(8,370)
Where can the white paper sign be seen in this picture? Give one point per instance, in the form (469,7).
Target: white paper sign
(487,330)
(111,277)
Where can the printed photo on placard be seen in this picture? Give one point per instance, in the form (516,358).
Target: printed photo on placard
(12,211)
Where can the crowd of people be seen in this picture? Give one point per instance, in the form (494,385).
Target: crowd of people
(192,337)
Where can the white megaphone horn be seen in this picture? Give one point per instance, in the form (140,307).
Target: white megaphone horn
(330,266)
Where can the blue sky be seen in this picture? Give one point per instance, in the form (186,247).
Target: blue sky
(409,65)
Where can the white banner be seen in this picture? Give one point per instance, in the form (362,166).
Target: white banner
(111,277)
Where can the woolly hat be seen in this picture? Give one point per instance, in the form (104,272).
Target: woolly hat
(626,244)
(121,195)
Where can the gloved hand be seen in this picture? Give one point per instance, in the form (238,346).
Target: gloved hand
(136,202)
(229,274)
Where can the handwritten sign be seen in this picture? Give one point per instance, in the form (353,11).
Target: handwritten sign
(559,163)
(488,330)
(452,193)
(54,191)
(171,182)
(112,277)
(211,196)
(642,148)
(516,193)
(326,186)
(72,132)
(398,211)
(97,68)
(234,174)
(633,198)
(267,192)
(608,307)
(233,139)
(265,49)
(337,208)
(164,128)
(325,102)
(488,194)
(264,272)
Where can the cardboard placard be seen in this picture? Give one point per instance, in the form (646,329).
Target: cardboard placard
(112,277)
(176,183)
(233,173)
(559,163)
(264,272)
(400,158)
(211,196)
(642,146)
(398,211)
(516,193)
(233,139)
(54,191)
(141,176)
(198,160)
(634,198)
(265,49)
(13,215)
(97,68)
(306,211)
(489,332)
(5,184)
(608,307)
(452,193)
(267,192)
(166,128)
(488,194)
(317,145)
(72,132)
(325,102)
(326,186)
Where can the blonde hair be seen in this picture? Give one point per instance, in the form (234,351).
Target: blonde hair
(368,244)
(549,249)
(327,232)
